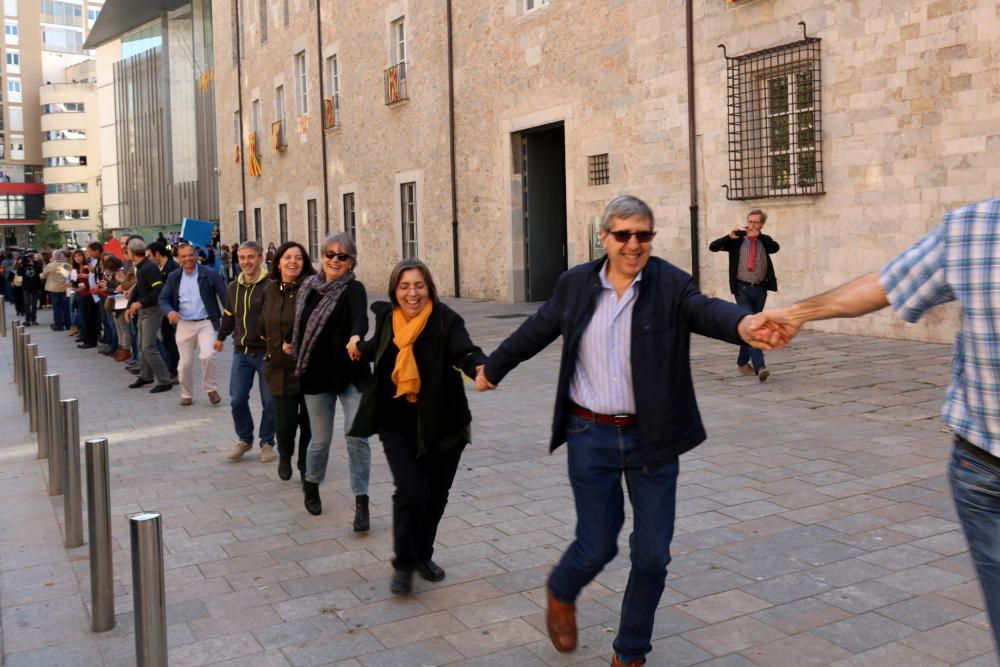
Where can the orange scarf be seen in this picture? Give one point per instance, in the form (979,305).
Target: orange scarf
(406,375)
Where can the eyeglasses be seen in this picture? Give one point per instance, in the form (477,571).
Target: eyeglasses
(623,236)
(340,256)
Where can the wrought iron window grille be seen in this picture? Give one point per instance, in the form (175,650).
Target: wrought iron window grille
(395,84)
(597,168)
(775,122)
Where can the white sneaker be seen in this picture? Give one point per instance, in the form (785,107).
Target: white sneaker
(239,450)
(267,453)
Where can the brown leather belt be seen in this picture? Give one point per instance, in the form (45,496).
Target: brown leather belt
(977,452)
(623,421)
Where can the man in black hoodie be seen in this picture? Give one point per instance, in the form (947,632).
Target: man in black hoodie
(144,304)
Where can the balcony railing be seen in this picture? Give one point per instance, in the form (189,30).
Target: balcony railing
(278,141)
(395,84)
(331,112)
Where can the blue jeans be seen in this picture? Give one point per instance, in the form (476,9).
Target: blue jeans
(322,408)
(599,456)
(110,330)
(975,486)
(752,297)
(245,366)
(60,310)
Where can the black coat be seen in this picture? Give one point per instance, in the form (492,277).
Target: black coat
(442,408)
(329,368)
(732,246)
(666,311)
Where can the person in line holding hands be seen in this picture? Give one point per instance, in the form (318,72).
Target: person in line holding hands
(625,406)
(415,400)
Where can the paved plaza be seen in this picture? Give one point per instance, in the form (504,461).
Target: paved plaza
(815,527)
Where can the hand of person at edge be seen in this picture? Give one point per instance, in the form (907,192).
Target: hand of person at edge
(173,317)
(217,345)
(352,348)
(769,330)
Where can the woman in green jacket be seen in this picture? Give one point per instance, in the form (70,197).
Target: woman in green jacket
(290,266)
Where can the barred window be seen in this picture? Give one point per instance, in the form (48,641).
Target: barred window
(597,167)
(775,139)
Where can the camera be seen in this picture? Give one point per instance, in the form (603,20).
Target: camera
(740,233)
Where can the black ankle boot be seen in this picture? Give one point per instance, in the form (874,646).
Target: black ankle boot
(285,467)
(361,518)
(431,571)
(402,582)
(313,504)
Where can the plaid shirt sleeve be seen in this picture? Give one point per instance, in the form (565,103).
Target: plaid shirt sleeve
(915,281)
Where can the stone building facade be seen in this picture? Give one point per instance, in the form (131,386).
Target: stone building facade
(887,121)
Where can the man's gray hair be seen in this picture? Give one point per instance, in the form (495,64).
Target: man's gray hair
(346,243)
(757,211)
(251,245)
(136,246)
(626,206)
(58,255)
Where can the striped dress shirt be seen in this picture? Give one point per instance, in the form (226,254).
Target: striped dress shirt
(960,260)
(602,379)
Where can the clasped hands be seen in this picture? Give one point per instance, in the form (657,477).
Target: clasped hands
(770,329)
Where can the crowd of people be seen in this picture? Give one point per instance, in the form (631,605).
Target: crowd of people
(625,401)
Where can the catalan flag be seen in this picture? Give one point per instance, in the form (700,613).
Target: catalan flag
(253,165)
(329,117)
(303,123)
(394,84)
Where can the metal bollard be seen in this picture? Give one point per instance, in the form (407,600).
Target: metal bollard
(34,379)
(18,372)
(39,405)
(149,604)
(102,582)
(54,434)
(72,493)
(27,354)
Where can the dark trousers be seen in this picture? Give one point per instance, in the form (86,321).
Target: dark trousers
(30,305)
(60,310)
(290,414)
(599,457)
(19,300)
(752,297)
(91,320)
(169,339)
(422,485)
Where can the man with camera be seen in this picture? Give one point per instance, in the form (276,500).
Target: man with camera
(751,276)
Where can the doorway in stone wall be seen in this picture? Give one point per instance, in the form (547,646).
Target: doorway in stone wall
(540,166)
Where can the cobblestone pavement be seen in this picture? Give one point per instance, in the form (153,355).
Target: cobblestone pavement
(815,527)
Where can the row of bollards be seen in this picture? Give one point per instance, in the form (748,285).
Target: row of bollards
(56,422)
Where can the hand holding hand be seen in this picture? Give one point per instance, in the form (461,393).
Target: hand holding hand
(173,317)
(770,329)
(287,348)
(217,345)
(352,348)
(482,384)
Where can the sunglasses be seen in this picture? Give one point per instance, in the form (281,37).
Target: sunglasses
(623,236)
(340,256)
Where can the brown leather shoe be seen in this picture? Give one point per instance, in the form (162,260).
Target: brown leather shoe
(186,401)
(122,354)
(560,620)
(617,662)
(214,397)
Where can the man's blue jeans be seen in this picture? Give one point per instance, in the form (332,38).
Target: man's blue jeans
(752,297)
(246,365)
(322,408)
(599,456)
(975,486)
(60,310)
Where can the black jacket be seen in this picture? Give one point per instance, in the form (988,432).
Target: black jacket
(732,246)
(211,286)
(667,310)
(148,283)
(241,317)
(329,368)
(442,348)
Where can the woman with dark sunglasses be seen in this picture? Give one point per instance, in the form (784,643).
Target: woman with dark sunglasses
(330,312)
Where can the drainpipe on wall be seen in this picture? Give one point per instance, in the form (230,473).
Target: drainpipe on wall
(322,120)
(451,140)
(692,155)
(239,109)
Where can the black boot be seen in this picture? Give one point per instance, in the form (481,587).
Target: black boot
(402,582)
(285,467)
(361,518)
(431,571)
(313,504)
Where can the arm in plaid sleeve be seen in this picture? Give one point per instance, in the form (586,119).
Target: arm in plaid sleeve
(915,281)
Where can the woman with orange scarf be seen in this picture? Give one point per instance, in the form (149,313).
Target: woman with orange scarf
(415,401)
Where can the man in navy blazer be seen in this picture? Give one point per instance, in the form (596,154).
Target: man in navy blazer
(625,405)
(192,300)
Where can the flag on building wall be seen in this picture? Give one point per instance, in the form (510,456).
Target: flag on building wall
(393,84)
(204,78)
(253,163)
(236,153)
(276,139)
(303,123)
(328,114)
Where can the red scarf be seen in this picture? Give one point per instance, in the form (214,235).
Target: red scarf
(753,255)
